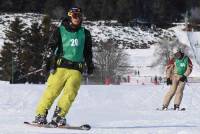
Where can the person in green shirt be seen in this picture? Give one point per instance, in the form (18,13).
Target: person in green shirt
(177,71)
(70,49)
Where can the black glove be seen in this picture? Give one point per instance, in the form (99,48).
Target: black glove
(169,81)
(51,64)
(183,78)
(90,69)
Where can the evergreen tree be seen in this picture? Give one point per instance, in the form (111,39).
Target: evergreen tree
(36,50)
(32,55)
(123,11)
(159,11)
(11,53)
(57,9)
(47,30)
(108,9)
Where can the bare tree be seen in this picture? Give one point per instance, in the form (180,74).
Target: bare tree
(110,60)
(163,51)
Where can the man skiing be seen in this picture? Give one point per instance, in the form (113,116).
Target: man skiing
(71,45)
(177,71)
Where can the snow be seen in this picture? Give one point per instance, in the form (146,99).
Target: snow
(194,40)
(181,35)
(139,59)
(113,109)
(142,59)
(100,30)
(126,35)
(6,19)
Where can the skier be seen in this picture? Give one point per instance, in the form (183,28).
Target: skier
(72,46)
(177,71)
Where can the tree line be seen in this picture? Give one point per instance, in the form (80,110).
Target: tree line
(23,51)
(24,55)
(154,11)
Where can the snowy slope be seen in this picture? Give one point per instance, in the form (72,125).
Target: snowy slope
(109,110)
(131,37)
(139,59)
(194,39)
(142,59)
(127,36)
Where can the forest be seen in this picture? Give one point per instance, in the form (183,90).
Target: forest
(153,11)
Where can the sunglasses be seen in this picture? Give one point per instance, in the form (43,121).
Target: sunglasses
(75,15)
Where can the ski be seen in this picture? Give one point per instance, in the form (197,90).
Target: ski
(33,124)
(171,109)
(82,127)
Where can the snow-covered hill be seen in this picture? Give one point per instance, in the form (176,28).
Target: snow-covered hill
(6,19)
(113,109)
(127,37)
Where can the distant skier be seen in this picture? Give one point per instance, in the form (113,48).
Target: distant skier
(72,47)
(178,69)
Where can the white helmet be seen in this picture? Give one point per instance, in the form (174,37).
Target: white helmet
(177,49)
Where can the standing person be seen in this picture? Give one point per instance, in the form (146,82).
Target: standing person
(138,73)
(72,46)
(156,80)
(178,69)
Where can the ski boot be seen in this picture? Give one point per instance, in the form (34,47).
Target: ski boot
(176,107)
(164,107)
(40,119)
(57,120)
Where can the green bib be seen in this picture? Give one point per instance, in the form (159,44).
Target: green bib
(73,44)
(181,65)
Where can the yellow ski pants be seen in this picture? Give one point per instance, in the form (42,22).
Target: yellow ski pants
(66,80)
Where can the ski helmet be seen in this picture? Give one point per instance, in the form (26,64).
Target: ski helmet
(178,53)
(75,12)
(177,49)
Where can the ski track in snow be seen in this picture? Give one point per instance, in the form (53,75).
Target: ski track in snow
(114,109)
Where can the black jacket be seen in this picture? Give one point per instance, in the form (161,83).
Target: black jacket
(56,48)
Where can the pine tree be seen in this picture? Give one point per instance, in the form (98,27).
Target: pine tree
(36,50)
(47,32)
(11,53)
(32,56)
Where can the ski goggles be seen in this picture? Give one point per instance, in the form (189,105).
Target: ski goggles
(75,13)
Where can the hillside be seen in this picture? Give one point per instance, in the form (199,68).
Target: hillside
(129,38)
(126,36)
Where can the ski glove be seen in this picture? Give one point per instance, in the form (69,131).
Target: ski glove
(51,64)
(169,81)
(183,78)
